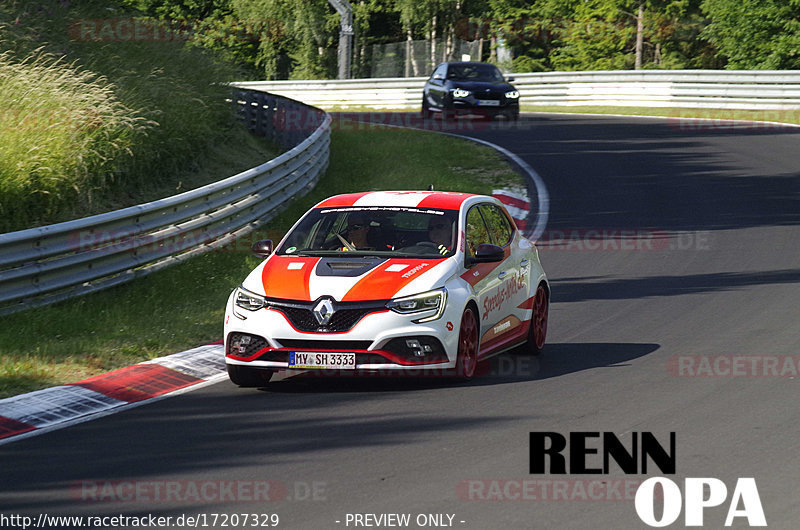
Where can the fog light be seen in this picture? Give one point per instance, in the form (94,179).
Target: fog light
(415,346)
(241,343)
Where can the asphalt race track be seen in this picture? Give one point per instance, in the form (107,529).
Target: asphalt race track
(672,248)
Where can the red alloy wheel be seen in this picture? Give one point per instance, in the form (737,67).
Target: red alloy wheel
(467,358)
(539,320)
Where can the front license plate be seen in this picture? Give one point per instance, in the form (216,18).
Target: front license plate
(489,102)
(322,360)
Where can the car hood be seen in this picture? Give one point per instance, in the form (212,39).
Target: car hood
(477,86)
(305,278)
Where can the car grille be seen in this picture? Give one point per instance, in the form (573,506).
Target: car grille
(303,344)
(345,316)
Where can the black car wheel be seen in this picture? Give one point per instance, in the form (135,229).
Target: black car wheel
(426,111)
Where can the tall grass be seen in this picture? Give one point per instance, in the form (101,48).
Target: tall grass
(91,126)
(64,133)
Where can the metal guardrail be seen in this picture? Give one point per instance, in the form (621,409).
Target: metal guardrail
(55,262)
(756,89)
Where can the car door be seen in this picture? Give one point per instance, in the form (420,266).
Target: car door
(491,282)
(515,274)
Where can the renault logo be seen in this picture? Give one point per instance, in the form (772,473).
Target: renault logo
(323,311)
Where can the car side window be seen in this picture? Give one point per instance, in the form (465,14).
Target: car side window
(498,224)
(476,233)
(440,72)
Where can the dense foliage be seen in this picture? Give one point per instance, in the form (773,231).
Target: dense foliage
(281,39)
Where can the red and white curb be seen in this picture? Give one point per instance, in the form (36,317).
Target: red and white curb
(517,204)
(57,407)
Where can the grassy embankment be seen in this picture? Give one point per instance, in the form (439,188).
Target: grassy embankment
(91,126)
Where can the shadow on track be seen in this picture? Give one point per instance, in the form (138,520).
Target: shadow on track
(593,288)
(506,368)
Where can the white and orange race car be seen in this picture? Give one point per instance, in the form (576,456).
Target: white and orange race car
(391,282)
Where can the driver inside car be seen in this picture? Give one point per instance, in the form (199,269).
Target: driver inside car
(356,235)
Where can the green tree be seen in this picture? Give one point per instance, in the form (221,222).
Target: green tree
(755,34)
(304,32)
(213,24)
(598,34)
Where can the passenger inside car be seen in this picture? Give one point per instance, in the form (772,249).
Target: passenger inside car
(440,232)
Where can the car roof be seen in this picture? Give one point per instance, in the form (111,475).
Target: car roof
(415,199)
(468,62)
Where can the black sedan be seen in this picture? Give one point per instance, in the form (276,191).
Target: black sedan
(469,88)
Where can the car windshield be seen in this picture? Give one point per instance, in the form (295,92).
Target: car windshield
(385,231)
(475,72)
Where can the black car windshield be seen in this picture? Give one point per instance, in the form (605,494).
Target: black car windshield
(385,231)
(475,72)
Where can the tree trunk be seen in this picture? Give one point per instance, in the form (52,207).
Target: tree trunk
(639,37)
(433,43)
(409,52)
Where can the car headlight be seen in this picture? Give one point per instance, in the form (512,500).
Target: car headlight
(428,301)
(242,298)
(461,93)
(512,94)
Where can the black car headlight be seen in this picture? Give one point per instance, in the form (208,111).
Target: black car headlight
(419,303)
(512,94)
(244,299)
(461,93)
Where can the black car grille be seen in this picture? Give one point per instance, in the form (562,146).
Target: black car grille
(345,315)
(304,344)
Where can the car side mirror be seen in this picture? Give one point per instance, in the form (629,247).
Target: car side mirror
(487,253)
(262,249)
(438,76)
(510,79)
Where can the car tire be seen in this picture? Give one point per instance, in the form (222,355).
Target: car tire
(427,114)
(247,377)
(538,329)
(467,358)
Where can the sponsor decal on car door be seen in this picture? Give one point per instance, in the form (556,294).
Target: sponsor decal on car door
(491,282)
